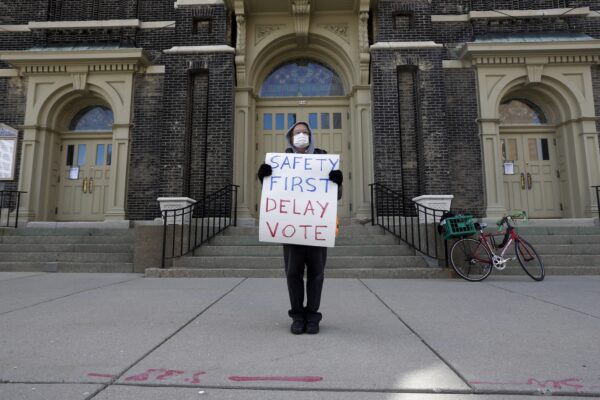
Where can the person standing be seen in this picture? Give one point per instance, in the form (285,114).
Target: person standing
(304,318)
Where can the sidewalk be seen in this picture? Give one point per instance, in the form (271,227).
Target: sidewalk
(126,337)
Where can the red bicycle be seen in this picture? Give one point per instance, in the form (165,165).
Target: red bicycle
(473,259)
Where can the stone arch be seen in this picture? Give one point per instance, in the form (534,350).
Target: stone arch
(284,49)
(551,93)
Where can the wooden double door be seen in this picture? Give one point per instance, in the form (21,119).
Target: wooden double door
(531,174)
(84,179)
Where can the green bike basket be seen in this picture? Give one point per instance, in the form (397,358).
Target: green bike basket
(459,226)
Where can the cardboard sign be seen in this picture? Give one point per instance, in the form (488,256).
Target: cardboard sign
(299,203)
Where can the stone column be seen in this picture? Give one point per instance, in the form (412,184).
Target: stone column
(494,187)
(118,173)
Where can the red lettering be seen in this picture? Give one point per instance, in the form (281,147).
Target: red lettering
(282,206)
(271,231)
(283,232)
(317,232)
(267,209)
(309,207)
(294,210)
(305,230)
(323,208)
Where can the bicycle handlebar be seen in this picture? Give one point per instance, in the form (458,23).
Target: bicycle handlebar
(515,215)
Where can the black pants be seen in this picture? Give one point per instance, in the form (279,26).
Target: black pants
(296,257)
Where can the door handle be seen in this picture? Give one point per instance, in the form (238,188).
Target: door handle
(529,181)
(84,187)
(91,185)
(522,181)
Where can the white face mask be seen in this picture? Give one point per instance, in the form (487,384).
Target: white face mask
(301,140)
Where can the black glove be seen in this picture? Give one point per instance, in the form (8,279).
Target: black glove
(336,176)
(264,170)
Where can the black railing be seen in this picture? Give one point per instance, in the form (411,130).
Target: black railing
(598,198)
(10,201)
(413,223)
(187,228)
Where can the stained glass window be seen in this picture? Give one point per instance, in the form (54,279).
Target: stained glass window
(521,111)
(96,118)
(302,78)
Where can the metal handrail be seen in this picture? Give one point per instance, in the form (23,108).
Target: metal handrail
(189,227)
(405,218)
(598,198)
(10,202)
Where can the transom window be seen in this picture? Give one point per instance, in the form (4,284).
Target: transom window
(521,111)
(94,118)
(300,78)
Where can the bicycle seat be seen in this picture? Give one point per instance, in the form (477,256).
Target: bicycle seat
(480,226)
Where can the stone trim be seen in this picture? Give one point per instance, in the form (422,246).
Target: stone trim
(404,45)
(221,48)
(155,69)
(191,3)
(111,23)
(503,14)
(8,72)
(449,64)
(14,28)
(564,52)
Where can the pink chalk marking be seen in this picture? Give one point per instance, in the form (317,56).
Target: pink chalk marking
(195,378)
(144,376)
(276,378)
(95,375)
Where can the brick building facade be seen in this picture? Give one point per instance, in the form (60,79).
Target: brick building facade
(494,102)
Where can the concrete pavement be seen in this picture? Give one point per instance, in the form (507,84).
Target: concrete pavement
(126,337)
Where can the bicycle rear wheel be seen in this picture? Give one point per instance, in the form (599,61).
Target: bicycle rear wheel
(471,260)
(529,260)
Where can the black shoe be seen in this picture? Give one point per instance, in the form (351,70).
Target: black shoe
(312,327)
(297,327)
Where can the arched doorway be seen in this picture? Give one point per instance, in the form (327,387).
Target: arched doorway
(85,159)
(528,149)
(304,90)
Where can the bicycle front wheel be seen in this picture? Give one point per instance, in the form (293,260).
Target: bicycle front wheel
(471,260)
(529,260)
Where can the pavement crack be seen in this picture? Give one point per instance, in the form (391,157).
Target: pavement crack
(414,332)
(543,301)
(70,294)
(182,327)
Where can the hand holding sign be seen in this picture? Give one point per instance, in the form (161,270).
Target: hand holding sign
(299,201)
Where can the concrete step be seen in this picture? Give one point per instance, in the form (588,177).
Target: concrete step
(252,251)
(239,240)
(345,231)
(561,239)
(552,260)
(73,239)
(67,257)
(108,267)
(68,248)
(245,262)
(357,273)
(67,232)
(551,270)
(568,249)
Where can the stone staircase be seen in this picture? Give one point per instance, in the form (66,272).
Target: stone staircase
(66,249)
(564,250)
(361,251)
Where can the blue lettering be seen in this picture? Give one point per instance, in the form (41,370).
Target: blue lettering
(326,184)
(273,162)
(273,181)
(334,163)
(321,160)
(296,161)
(286,161)
(297,181)
(309,183)
(307,161)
